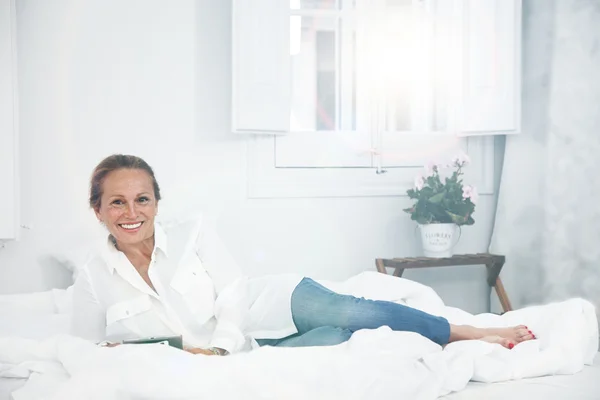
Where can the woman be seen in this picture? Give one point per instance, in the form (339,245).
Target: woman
(151,279)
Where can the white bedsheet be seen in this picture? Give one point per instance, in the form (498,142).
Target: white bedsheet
(8,386)
(374,364)
(584,385)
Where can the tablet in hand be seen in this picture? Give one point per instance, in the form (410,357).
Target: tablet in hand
(173,341)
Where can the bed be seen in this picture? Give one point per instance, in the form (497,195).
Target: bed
(32,316)
(584,385)
(382,364)
(8,385)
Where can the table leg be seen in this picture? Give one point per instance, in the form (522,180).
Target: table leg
(504,301)
(398,272)
(493,271)
(380,266)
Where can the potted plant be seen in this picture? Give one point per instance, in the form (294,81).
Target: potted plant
(442,204)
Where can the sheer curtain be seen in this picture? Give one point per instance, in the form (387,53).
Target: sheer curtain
(548,215)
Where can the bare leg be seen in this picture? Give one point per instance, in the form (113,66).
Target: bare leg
(503,336)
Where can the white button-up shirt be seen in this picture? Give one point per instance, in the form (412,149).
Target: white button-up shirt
(200,294)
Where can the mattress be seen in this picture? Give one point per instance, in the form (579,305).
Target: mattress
(583,385)
(8,385)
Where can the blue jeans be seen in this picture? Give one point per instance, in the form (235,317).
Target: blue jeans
(326,318)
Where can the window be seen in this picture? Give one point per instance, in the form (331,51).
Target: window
(322,51)
(327,129)
(363,77)
(322,92)
(378,86)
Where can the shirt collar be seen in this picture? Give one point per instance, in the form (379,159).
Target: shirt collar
(160,239)
(111,253)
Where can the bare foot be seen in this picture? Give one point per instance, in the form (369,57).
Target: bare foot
(500,340)
(516,334)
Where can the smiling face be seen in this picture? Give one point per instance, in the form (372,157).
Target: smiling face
(128,205)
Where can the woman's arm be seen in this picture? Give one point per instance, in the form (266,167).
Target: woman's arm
(230,284)
(88,319)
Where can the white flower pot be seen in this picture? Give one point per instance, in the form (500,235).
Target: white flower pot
(439,239)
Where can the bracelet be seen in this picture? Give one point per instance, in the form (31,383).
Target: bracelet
(217,351)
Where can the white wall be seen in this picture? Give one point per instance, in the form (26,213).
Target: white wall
(141,77)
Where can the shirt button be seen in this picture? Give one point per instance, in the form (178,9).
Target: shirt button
(127,312)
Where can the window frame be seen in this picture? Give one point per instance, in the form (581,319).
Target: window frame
(266,180)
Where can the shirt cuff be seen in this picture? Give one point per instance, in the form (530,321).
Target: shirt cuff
(227,336)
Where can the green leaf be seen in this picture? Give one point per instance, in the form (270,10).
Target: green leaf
(436,199)
(426,191)
(422,220)
(461,208)
(457,219)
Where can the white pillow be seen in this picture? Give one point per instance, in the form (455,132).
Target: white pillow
(55,301)
(75,259)
(63,300)
(74,249)
(28,303)
(33,326)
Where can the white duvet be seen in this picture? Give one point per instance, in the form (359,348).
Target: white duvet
(374,364)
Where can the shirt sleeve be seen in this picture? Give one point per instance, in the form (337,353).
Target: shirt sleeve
(88,319)
(231,308)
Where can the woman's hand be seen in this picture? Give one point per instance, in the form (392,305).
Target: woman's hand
(207,352)
(108,344)
(197,350)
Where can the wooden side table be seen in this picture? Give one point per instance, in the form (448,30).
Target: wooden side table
(493,263)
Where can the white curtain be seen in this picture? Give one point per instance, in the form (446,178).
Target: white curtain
(548,215)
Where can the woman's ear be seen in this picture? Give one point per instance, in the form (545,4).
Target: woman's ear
(97,212)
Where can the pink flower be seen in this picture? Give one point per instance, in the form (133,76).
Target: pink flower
(431,168)
(419,182)
(469,192)
(461,160)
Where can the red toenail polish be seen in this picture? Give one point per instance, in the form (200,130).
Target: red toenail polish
(530,332)
(510,346)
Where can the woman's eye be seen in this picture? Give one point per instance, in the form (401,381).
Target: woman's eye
(143,200)
(117,202)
